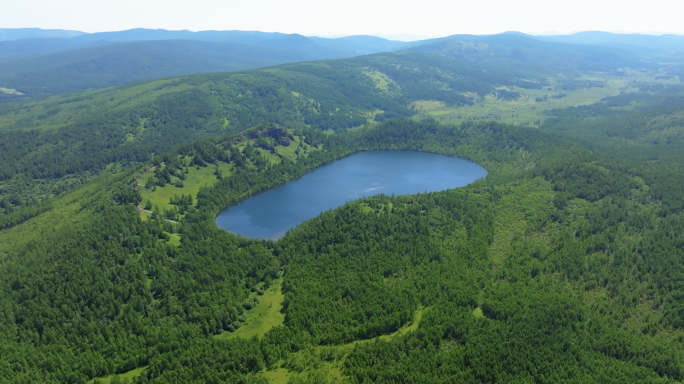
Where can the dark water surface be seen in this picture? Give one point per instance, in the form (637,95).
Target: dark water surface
(270,214)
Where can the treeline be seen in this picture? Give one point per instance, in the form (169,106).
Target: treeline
(14,216)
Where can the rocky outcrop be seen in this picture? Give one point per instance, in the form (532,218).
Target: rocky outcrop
(274,131)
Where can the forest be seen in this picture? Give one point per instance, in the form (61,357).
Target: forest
(564,264)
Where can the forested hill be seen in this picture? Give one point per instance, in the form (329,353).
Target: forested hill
(108,64)
(38,62)
(32,67)
(52,144)
(516,52)
(39,66)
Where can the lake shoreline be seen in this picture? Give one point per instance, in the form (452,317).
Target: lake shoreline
(381,171)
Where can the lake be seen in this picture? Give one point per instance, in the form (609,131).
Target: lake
(268,215)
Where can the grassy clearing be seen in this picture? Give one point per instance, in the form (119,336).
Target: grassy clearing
(417,316)
(130,375)
(175,239)
(10,91)
(196,178)
(130,137)
(205,176)
(331,371)
(264,316)
(286,152)
(311,363)
(382,81)
(477,312)
(527,110)
(276,376)
(145,216)
(289,151)
(412,326)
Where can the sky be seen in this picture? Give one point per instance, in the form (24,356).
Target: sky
(425,18)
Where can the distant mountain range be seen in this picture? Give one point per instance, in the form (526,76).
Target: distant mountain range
(36,61)
(110,64)
(69,61)
(32,43)
(35,33)
(632,42)
(523,53)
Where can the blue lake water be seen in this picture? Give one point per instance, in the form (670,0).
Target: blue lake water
(271,213)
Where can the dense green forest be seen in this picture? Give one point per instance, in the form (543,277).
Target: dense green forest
(564,264)
(557,267)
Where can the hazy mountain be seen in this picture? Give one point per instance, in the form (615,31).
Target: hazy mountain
(119,63)
(517,51)
(366,44)
(7,34)
(320,47)
(15,49)
(339,47)
(53,65)
(360,45)
(634,42)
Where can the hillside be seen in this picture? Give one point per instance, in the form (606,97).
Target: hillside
(17,49)
(527,53)
(71,136)
(118,63)
(54,144)
(37,66)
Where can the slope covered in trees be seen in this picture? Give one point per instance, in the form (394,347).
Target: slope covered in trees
(50,145)
(39,66)
(108,64)
(47,66)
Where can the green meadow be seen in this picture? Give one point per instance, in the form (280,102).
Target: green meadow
(264,316)
(196,178)
(307,363)
(326,362)
(121,378)
(529,109)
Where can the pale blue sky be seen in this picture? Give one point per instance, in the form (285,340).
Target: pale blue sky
(348,17)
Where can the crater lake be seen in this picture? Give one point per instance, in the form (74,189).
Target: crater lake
(270,214)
